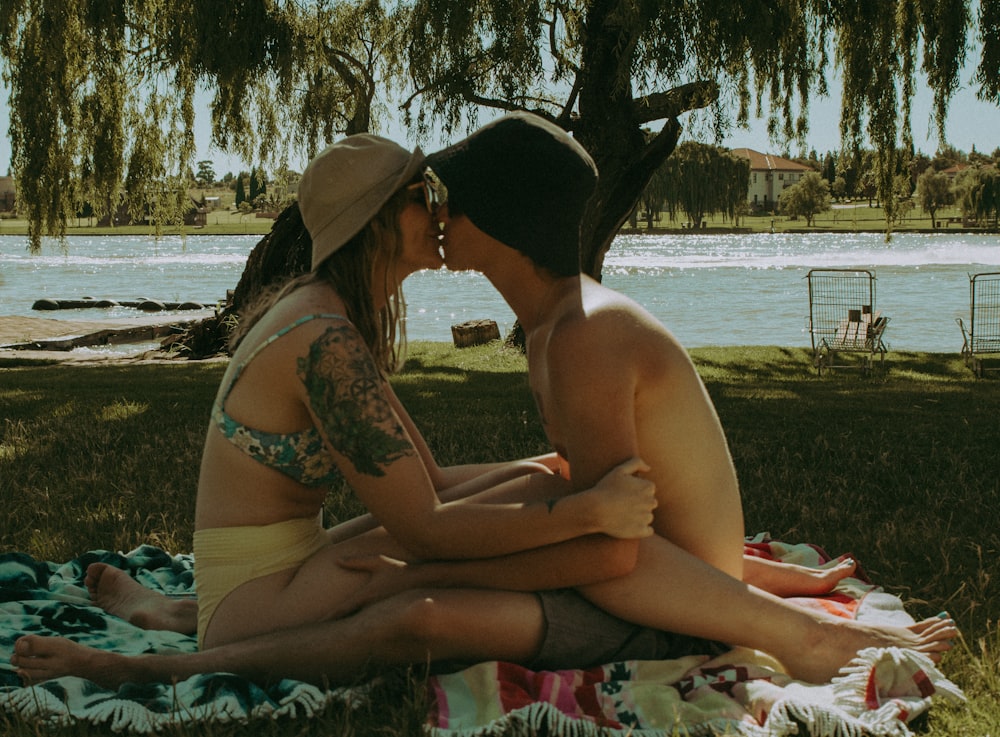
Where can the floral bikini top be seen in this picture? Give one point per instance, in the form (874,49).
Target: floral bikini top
(299,455)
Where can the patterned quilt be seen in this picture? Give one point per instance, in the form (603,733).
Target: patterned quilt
(739,693)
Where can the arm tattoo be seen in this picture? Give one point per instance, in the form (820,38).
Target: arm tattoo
(344,390)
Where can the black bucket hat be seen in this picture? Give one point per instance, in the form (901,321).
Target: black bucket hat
(525,182)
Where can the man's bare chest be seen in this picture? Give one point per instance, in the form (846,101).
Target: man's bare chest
(539,383)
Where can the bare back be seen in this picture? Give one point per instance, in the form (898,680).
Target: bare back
(612,383)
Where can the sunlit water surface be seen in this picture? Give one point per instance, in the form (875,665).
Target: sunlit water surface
(709,290)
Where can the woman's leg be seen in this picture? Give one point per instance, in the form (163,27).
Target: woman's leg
(117,593)
(789,579)
(319,590)
(410,628)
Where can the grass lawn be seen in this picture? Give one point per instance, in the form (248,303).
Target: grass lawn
(850,217)
(219,222)
(901,470)
(857,216)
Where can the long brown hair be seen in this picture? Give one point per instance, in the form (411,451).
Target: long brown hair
(350,272)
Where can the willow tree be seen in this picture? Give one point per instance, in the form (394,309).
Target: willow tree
(700,179)
(606,69)
(103,92)
(977,192)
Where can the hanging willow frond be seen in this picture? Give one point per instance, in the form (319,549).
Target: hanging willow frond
(296,73)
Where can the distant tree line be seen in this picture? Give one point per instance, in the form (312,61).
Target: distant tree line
(701,180)
(949,178)
(698,180)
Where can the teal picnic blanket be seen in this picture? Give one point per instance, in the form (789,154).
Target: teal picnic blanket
(45,598)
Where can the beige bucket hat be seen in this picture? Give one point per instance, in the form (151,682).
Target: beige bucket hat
(347,184)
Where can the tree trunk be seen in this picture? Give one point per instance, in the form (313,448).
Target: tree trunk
(608,129)
(283,253)
(625,169)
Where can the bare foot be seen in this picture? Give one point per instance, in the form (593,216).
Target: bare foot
(40,659)
(789,579)
(836,642)
(117,593)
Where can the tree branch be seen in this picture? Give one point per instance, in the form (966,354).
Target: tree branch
(675,102)
(567,118)
(554,41)
(341,61)
(459,85)
(358,77)
(662,144)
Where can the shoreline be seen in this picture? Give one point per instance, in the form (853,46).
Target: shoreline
(784,229)
(16,329)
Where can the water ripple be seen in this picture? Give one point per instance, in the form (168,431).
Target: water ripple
(709,289)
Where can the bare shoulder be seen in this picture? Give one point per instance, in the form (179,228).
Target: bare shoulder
(311,308)
(290,330)
(610,330)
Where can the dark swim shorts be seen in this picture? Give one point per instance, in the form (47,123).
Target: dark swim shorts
(581,635)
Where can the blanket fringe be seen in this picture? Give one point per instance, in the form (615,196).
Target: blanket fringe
(854,683)
(38,704)
(884,688)
(43,704)
(542,718)
(795,718)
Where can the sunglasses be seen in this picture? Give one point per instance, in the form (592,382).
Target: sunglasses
(435,193)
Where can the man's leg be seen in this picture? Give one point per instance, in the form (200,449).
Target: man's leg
(410,628)
(673,590)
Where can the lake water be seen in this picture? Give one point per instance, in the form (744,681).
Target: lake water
(710,290)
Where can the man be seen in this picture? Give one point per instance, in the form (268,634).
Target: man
(611,383)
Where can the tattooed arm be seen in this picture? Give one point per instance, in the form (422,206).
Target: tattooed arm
(459,482)
(483,482)
(345,394)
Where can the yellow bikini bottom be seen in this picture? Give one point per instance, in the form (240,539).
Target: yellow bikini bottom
(227,557)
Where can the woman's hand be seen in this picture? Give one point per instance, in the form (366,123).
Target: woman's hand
(624,501)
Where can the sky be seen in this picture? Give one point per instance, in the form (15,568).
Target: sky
(970,123)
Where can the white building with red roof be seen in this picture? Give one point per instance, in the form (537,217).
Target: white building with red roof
(769,176)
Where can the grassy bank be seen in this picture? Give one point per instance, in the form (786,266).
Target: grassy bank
(902,471)
(219,222)
(855,217)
